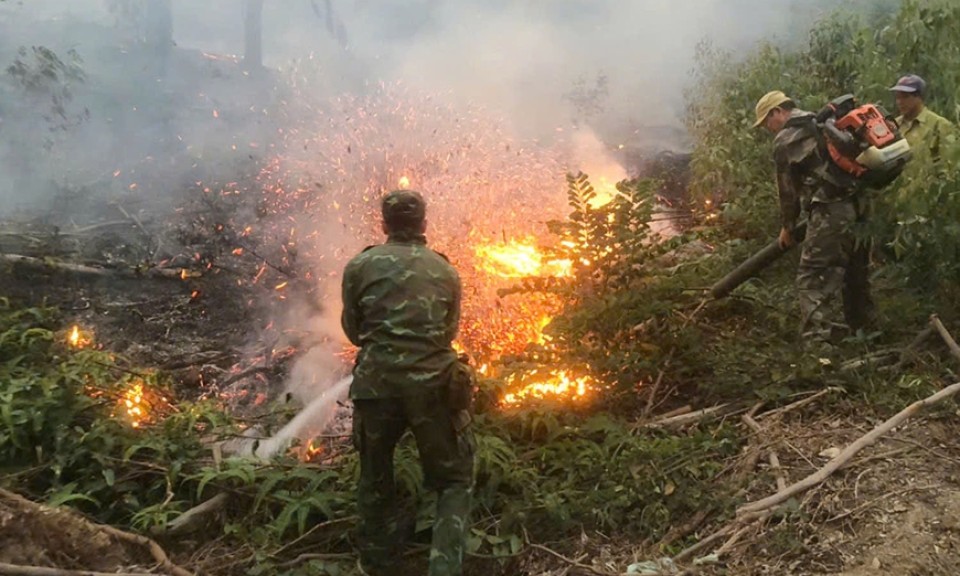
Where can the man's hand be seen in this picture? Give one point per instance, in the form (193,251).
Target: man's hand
(786,238)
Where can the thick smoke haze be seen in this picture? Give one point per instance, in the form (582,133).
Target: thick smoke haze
(475,100)
(618,65)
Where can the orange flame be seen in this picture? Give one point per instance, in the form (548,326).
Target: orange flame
(404,183)
(518,259)
(605,191)
(77,338)
(554,384)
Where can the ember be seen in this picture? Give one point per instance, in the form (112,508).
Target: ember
(133,404)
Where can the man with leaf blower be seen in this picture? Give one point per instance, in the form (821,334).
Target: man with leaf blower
(822,161)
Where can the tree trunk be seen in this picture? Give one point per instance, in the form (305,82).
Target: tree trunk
(159,30)
(253,34)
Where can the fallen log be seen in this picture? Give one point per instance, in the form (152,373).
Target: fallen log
(159,555)
(18,570)
(848,453)
(46,265)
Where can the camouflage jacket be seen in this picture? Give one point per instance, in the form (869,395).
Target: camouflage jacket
(401,306)
(803,175)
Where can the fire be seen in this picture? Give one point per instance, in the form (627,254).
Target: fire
(489,198)
(309,451)
(555,384)
(518,259)
(78,338)
(605,192)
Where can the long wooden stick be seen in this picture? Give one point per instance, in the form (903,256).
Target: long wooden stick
(848,453)
(690,418)
(18,570)
(945,334)
(84,270)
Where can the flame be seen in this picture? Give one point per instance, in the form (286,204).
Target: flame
(541,337)
(77,338)
(404,183)
(518,259)
(311,450)
(554,384)
(605,192)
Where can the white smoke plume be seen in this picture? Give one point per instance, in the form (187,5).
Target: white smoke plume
(504,96)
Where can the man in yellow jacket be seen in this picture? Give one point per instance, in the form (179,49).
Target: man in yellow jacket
(929,135)
(922,128)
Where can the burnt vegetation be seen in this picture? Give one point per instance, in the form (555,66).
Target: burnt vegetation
(699,406)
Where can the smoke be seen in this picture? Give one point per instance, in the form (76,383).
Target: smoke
(498,99)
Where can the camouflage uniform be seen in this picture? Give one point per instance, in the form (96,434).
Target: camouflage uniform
(401,306)
(833,265)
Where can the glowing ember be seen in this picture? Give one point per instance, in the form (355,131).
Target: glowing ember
(558,384)
(78,339)
(404,183)
(134,405)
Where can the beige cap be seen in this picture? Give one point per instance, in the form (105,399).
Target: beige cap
(766,105)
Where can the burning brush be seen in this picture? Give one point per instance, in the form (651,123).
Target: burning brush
(315,204)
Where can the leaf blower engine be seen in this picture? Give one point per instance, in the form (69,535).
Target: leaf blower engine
(863,141)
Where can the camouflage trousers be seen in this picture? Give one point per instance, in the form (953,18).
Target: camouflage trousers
(446,445)
(833,279)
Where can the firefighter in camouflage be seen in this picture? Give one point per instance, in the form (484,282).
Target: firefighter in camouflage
(401,306)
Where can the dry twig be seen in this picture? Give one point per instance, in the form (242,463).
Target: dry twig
(771,456)
(798,404)
(945,334)
(570,561)
(194,518)
(848,453)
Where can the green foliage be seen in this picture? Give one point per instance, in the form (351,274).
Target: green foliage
(64,437)
(555,472)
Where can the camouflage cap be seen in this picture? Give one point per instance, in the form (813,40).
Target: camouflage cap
(403,206)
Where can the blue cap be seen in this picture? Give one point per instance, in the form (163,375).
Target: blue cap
(910,83)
